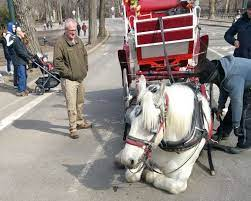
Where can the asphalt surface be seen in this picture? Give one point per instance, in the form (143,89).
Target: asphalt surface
(39,162)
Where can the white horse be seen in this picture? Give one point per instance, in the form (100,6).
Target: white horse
(160,146)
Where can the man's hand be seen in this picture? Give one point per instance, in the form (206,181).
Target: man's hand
(218,114)
(236,44)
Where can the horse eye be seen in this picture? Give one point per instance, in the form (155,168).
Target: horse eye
(153,131)
(138,110)
(153,88)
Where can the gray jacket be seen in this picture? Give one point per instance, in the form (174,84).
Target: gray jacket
(237,79)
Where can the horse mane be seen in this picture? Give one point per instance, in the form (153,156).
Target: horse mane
(179,114)
(149,111)
(180,111)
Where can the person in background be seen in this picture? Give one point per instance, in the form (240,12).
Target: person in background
(21,59)
(70,60)
(84,28)
(6,53)
(238,16)
(10,38)
(79,29)
(242,29)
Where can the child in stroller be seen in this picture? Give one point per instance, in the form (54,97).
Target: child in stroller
(50,78)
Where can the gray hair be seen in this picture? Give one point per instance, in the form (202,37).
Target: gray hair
(68,22)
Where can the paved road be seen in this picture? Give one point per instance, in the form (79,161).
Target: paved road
(39,162)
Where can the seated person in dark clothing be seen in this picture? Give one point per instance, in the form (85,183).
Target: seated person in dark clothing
(232,75)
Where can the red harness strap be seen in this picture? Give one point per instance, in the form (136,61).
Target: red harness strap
(135,143)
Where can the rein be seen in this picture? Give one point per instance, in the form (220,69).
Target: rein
(144,144)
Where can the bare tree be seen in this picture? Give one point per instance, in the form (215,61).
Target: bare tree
(59,11)
(102,30)
(92,21)
(227,6)
(24,16)
(212,6)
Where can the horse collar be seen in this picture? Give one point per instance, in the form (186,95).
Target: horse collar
(194,136)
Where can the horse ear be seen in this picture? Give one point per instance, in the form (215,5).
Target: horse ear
(141,86)
(161,92)
(162,88)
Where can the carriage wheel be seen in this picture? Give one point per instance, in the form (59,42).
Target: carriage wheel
(125,89)
(39,90)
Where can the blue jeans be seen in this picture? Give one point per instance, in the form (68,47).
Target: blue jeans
(22,78)
(8,65)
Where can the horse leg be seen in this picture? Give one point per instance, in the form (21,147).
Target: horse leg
(171,185)
(134,175)
(160,181)
(177,182)
(149,175)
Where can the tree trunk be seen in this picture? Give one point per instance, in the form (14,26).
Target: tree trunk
(48,10)
(24,16)
(92,22)
(102,30)
(227,6)
(59,12)
(212,6)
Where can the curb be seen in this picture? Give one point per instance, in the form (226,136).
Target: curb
(99,44)
(214,25)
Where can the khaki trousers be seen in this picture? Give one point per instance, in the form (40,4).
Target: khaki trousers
(74,95)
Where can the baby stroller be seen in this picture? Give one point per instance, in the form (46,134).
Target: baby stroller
(50,78)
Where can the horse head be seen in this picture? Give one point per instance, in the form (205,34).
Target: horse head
(165,114)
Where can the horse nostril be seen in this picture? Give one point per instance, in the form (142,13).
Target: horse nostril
(132,162)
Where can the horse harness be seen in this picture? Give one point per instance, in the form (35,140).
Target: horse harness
(196,133)
(193,138)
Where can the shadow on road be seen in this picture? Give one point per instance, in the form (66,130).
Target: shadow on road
(100,174)
(39,125)
(104,109)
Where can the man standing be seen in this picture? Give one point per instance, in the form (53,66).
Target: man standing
(84,28)
(10,38)
(21,59)
(241,28)
(70,60)
(78,28)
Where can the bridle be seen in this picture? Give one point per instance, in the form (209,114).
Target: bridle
(145,144)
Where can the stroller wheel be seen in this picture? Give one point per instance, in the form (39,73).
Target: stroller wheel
(39,90)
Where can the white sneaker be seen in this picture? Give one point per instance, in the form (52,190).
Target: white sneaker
(1,79)
(10,73)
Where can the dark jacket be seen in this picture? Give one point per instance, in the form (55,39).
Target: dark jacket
(70,60)
(241,28)
(22,55)
(5,49)
(237,79)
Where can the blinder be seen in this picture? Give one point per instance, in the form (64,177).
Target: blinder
(137,110)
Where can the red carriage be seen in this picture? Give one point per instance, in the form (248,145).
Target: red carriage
(162,41)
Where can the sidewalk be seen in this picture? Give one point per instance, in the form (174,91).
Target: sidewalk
(220,22)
